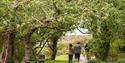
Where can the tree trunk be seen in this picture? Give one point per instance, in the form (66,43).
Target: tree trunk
(106,50)
(53,56)
(7,53)
(106,38)
(27,48)
(28,45)
(53,47)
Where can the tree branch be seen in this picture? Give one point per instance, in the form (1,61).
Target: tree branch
(79,29)
(50,46)
(42,46)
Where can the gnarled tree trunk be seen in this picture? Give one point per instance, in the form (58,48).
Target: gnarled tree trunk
(28,45)
(53,47)
(54,50)
(8,47)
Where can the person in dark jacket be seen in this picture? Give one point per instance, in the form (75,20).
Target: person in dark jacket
(77,51)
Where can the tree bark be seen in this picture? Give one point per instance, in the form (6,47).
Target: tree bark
(28,45)
(53,47)
(53,56)
(27,48)
(106,37)
(7,53)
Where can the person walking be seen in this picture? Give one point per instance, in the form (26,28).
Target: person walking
(87,51)
(77,51)
(71,51)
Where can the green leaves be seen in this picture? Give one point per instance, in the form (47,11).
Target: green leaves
(105,21)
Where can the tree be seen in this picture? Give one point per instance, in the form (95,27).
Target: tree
(23,18)
(18,20)
(63,17)
(104,21)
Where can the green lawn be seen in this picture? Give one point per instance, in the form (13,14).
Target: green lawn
(64,59)
(59,59)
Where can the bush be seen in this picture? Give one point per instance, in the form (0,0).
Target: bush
(96,48)
(62,48)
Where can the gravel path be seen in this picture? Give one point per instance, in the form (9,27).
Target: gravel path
(83,59)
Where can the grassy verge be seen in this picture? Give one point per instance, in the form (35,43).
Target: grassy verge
(59,59)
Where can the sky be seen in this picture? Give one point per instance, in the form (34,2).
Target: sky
(77,32)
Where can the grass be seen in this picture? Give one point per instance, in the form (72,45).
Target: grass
(64,59)
(56,61)
(59,59)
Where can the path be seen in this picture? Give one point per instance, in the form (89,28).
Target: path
(83,59)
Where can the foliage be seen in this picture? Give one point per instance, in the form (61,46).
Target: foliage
(105,21)
(59,59)
(103,18)
(1,40)
(25,15)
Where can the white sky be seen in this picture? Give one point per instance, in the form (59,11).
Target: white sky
(77,32)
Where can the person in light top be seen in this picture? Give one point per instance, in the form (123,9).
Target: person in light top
(70,53)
